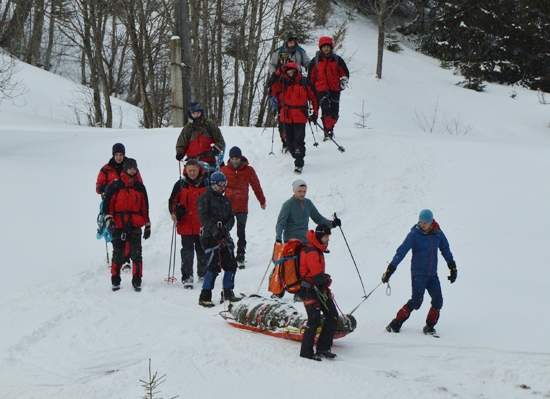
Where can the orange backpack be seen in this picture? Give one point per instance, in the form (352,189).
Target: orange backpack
(286,273)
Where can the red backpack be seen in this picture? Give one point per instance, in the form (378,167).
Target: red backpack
(286,273)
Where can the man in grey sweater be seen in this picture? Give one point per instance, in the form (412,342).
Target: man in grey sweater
(295,213)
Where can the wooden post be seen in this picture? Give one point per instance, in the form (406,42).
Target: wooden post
(177,116)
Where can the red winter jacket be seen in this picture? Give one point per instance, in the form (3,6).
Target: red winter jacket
(238,181)
(186,193)
(293,95)
(127,202)
(312,258)
(108,174)
(325,72)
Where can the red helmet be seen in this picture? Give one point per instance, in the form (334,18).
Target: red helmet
(324,40)
(291,65)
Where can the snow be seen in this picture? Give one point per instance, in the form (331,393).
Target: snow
(65,334)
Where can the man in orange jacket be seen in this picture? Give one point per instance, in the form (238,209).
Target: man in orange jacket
(240,176)
(317,296)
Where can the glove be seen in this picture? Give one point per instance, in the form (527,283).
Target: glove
(278,242)
(220,233)
(313,118)
(336,222)
(180,212)
(453,272)
(322,280)
(179,156)
(344,80)
(274,103)
(387,274)
(147,231)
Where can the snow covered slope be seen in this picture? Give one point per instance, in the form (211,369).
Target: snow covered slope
(65,334)
(45,99)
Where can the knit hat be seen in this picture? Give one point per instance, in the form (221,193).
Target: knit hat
(119,148)
(217,178)
(296,184)
(426,216)
(235,152)
(324,40)
(195,107)
(129,163)
(320,231)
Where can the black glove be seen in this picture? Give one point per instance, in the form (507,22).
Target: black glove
(180,212)
(387,274)
(313,118)
(453,272)
(179,156)
(147,231)
(322,280)
(278,241)
(220,233)
(336,222)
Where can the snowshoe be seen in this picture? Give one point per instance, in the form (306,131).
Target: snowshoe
(312,357)
(429,330)
(394,326)
(326,354)
(188,283)
(115,287)
(298,170)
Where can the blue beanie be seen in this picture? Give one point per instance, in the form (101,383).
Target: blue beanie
(195,107)
(426,216)
(235,152)
(217,177)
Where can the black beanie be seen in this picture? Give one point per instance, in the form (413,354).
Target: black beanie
(235,152)
(119,147)
(321,231)
(129,163)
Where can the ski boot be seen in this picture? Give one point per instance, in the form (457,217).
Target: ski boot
(115,287)
(229,295)
(326,354)
(312,357)
(187,282)
(394,326)
(430,330)
(205,299)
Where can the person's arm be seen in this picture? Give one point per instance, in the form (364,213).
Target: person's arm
(256,187)
(101,182)
(343,67)
(204,214)
(172,200)
(217,136)
(402,251)
(230,222)
(144,209)
(316,216)
(110,192)
(183,141)
(312,94)
(446,251)
(282,221)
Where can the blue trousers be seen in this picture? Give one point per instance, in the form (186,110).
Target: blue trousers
(420,284)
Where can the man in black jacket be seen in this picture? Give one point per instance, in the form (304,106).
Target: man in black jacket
(217,220)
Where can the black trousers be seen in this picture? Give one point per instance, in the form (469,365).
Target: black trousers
(314,309)
(189,245)
(295,142)
(120,238)
(240,219)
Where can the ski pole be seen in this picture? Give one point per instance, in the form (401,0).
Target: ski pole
(331,138)
(170,277)
(315,143)
(179,169)
(352,258)
(263,278)
(272,141)
(107,253)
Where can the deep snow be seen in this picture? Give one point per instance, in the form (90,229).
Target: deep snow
(65,334)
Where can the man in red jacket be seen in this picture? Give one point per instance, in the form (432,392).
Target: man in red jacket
(293,92)
(111,170)
(127,211)
(184,211)
(317,296)
(329,74)
(240,176)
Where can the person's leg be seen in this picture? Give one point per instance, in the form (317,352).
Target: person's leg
(434,289)
(213,268)
(324,103)
(418,288)
(201,257)
(289,131)
(187,257)
(135,255)
(241,235)
(313,321)
(299,144)
(330,313)
(118,258)
(229,266)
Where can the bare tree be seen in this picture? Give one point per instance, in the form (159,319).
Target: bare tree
(9,87)
(33,49)
(383,10)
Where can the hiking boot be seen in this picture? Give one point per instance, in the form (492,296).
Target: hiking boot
(312,357)
(429,330)
(326,354)
(298,170)
(115,287)
(205,299)
(394,326)
(229,295)
(136,285)
(187,282)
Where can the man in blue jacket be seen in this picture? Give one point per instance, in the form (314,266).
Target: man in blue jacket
(424,239)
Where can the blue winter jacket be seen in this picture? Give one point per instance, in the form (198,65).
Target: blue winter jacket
(424,250)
